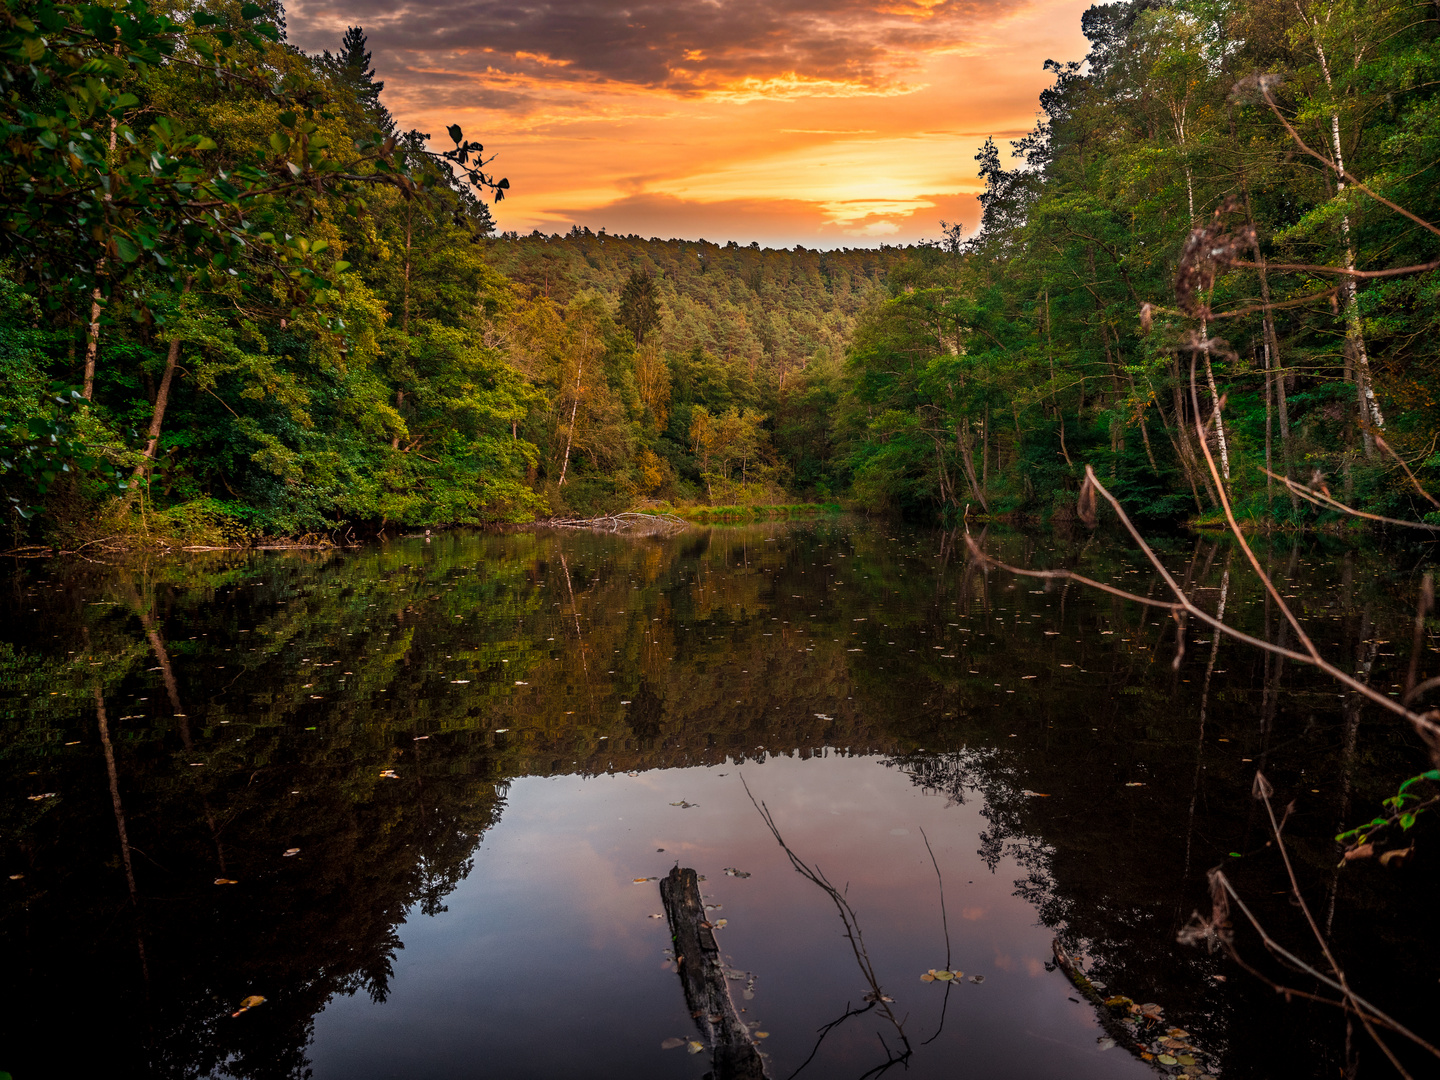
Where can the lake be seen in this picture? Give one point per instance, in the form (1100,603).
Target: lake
(418,796)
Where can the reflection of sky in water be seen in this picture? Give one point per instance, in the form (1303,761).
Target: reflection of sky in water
(547,964)
(483,663)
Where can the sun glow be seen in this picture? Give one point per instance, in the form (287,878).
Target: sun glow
(859,125)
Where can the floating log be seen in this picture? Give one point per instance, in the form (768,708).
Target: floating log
(707,993)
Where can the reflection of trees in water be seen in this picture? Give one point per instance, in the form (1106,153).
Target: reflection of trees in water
(689,628)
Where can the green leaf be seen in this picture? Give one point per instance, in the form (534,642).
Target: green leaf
(126,248)
(251,12)
(341,266)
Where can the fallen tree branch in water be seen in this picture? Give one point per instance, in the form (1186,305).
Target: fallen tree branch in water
(876,995)
(707,993)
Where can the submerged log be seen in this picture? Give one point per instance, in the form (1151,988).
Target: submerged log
(707,993)
(1140,1029)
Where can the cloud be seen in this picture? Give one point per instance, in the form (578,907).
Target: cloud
(772,222)
(819,122)
(824,48)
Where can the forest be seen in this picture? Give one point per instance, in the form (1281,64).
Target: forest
(238,301)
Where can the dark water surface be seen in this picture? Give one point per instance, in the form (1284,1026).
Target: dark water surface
(478,744)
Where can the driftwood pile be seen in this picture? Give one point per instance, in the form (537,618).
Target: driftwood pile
(632,524)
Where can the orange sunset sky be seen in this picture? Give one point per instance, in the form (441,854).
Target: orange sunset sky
(827,124)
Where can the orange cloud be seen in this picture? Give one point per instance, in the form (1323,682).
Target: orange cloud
(821,122)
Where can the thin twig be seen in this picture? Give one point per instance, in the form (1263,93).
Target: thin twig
(1263,791)
(1375,1015)
(1336,168)
(1329,502)
(1380,440)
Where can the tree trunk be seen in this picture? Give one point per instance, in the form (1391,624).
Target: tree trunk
(574,408)
(157,413)
(1274,384)
(962,440)
(1215,397)
(1354,334)
(92,334)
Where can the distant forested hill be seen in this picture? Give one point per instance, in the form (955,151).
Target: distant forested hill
(771,310)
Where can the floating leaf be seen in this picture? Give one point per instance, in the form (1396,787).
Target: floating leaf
(944,976)
(1185,1059)
(694,1047)
(226,881)
(388,774)
(1166,1059)
(1397,856)
(730,871)
(671,1044)
(977,979)
(720,922)
(1105,1043)
(291,851)
(927,977)
(762,1034)
(248,1004)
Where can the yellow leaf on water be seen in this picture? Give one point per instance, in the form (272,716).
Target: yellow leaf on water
(927,977)
(248,1004)
(226,881)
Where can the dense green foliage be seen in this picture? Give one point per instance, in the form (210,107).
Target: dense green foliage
(283,315)
(1064,332)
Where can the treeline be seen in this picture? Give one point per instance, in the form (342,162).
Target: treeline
(1065,332)
(237,299)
